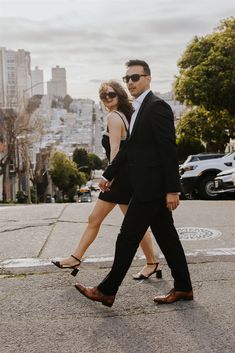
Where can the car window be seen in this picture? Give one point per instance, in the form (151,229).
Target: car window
(202,157)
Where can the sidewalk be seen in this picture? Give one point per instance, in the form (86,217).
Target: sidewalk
(41,311)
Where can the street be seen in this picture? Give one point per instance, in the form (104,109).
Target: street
(42,311)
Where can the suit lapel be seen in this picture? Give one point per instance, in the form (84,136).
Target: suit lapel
(139,114)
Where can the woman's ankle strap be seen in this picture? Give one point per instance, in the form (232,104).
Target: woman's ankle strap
(76,258)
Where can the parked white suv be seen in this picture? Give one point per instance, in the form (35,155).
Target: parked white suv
(224,182)
(197,177)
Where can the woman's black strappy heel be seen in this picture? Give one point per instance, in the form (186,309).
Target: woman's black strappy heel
(156,270)
(64,267)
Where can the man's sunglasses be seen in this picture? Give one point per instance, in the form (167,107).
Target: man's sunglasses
(108,94)
(134,78)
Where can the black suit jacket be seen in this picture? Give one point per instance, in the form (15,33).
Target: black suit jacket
(150,153)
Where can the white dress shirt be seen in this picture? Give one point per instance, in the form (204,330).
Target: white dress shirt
(136,105)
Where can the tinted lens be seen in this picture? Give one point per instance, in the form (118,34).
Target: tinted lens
(134,78)
(111,94)
(108,94)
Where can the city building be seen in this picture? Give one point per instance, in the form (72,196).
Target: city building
(57,87)
(15,77)
(37,81)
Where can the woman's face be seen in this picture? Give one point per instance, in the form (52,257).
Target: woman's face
(110,98)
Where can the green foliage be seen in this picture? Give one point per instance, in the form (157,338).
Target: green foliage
(83,178)
(64,173)
(207,80)
(212,127)
(86,162)
(33,194)
(94,161)
(80,157)
(21,197)
(207,70)
(105,163)
(188,145)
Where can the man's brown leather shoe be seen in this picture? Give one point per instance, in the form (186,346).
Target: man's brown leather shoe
(94,294)
(173,296)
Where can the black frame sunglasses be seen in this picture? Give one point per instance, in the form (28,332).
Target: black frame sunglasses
(134,78)
(108,94)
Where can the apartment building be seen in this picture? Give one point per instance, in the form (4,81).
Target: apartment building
(57,86)
(15,77)
(37,81)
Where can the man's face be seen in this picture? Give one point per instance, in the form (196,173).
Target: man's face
(136,88)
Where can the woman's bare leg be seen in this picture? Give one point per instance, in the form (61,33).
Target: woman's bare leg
(147,248)
(98,214)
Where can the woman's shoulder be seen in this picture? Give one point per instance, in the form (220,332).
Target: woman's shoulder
(115,114)
(121,116)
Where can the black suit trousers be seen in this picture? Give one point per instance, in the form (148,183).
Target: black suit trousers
(140,215)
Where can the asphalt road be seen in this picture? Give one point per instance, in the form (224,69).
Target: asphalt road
(41,311)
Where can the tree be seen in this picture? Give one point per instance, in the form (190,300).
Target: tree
(16,131)
(33,103)
(65,175)
(80,157)
(94,161)
(212,127)
(67,101)
(207,80)
(188,145)
(62,102)
(105,163)
(8,119)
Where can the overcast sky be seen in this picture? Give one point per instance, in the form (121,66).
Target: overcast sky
(93,39)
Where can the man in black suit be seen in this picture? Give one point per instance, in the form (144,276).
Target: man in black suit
(151,158)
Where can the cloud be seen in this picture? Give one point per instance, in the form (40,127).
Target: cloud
(94,41)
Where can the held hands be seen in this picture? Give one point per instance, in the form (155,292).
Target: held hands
(172,201)
(105,185)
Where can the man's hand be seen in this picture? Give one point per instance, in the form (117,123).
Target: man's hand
(105,185)
(172,201)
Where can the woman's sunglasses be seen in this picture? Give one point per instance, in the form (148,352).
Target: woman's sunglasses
(108,95)
(134,78)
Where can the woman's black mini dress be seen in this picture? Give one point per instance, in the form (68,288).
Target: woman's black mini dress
(120,190)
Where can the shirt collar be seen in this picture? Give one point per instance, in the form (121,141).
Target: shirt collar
(139,100)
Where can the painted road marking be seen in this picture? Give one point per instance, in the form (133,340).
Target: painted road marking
(33,262)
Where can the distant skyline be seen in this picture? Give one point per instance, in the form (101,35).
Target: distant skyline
(93,39)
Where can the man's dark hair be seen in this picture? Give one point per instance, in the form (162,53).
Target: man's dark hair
(139,63)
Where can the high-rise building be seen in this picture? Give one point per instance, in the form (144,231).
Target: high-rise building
(8,78)
(15,77)
(57,87)
(3,97)
(23,67)
(37,81)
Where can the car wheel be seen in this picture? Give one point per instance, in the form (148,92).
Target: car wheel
(206,188)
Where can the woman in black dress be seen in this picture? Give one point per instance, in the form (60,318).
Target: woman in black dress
(116,101)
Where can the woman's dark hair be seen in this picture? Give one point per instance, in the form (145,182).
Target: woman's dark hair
(124,104)
(142,63)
